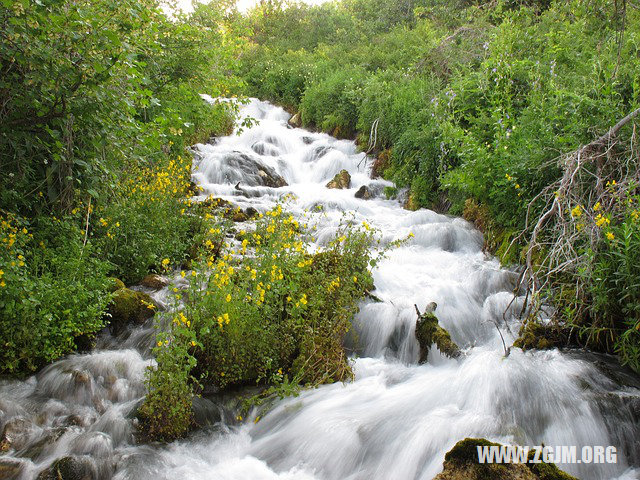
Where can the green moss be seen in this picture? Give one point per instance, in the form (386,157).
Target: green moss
(115,284)
(548,471)
(129,306)
(429,332)
(342,180)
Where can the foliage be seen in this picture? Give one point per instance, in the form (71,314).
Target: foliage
(52,291)
(266,310)
(477,101)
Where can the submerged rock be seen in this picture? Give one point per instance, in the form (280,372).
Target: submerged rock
(155,281)
(429,332)
(364,193)
(130,307)
(461,463)
(342,180)
(15,433)
(10,468)
(69,468)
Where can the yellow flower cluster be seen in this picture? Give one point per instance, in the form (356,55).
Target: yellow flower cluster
(333,285)
(223,319)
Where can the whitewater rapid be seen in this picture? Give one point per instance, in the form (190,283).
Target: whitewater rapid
(397,419)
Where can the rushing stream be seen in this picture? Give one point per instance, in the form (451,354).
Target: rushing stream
(397,419)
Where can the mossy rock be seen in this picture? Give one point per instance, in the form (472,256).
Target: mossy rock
(130,307)
(535,336)
(115,284)
(428,332)
(461,463)
(341,181)
(68,468)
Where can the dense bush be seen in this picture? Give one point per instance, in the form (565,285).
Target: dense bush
(52,291)
(263,312)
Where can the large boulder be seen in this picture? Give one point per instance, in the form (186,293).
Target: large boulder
(130,307)
(461,463)
(69,468)
(342,180)
(428,332)
(155,281)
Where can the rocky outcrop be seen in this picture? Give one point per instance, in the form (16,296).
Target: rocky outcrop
(461,463)
(155,281)
(130,307)
(428,332)
(342,180)
(69,468)
(364,193)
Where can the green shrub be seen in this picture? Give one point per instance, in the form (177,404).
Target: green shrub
(52,291)
(265,312)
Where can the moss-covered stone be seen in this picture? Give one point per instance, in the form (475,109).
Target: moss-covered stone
(535,336)
(461,463)
(429,332)
(130,307)
(115,284)
(10,468)
(342,180)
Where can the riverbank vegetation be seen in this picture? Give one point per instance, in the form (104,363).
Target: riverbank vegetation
(477,108)
(99,101)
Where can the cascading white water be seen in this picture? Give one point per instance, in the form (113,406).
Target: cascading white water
(397,419)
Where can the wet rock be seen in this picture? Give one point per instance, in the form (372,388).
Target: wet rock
(69,468)
(85,342)
(429,332)
(251,212)
(115,285)
(10,468)
(364,193)
(81,378)
(155,281)
(342,180)
(307,140)
(130,307)
(461,463)
(296,121)
(252,172)
(14,434)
